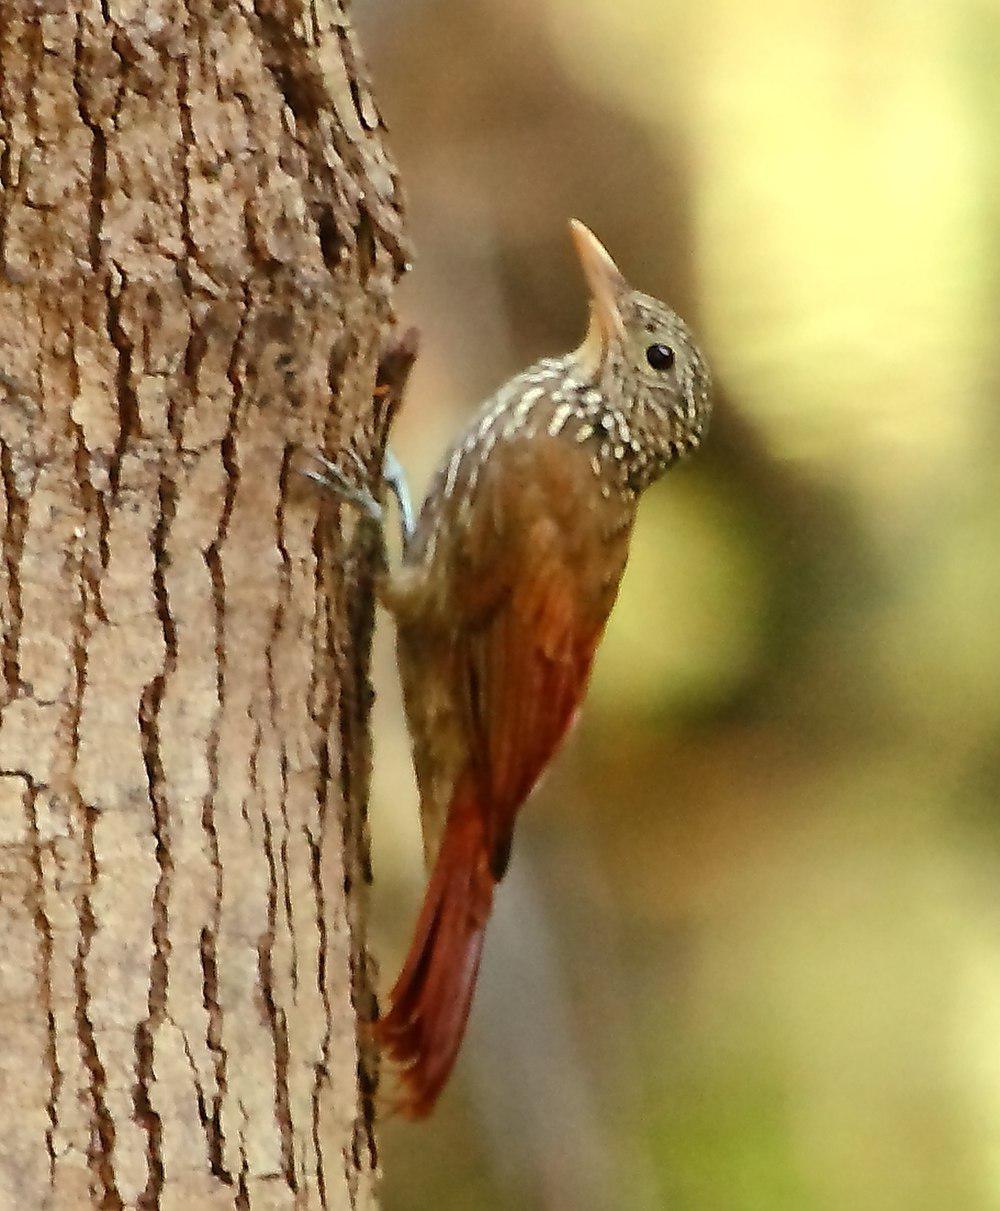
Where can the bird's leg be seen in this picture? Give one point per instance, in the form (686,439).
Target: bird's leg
(395,478)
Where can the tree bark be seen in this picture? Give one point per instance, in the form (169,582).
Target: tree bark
(199,236)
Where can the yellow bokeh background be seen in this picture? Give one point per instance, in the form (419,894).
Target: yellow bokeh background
(748,954)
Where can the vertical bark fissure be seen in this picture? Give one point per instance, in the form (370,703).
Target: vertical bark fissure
(102,1142)
(126,398)
(43,928)
(5,174)
(284,589)
(91,506)
(275,1013)
(199,1090)
(213,1041)
(149,727)
(322,711)
(208,938)
(15,524)
(196,342)
(321,1069)
(186,147)
(242,1201)
(357,607)
(98,152)
(97,191)
(208,947)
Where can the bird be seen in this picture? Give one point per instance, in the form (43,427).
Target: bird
(507,578)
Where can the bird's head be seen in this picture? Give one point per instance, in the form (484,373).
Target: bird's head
(640,353)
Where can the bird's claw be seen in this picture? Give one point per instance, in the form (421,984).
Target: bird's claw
(395,478)
(354,492)
(334,480)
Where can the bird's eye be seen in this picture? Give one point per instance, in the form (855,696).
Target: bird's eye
(660,357)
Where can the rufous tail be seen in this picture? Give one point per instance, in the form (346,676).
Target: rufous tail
(429,1005)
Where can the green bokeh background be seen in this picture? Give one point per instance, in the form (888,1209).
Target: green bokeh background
(748,955)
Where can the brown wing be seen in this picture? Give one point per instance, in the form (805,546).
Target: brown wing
(528,576)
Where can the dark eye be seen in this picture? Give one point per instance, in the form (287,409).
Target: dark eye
(660,357)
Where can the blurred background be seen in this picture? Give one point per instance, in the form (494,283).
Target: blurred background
(748,954)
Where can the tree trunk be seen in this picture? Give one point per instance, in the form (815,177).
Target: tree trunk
(199,236)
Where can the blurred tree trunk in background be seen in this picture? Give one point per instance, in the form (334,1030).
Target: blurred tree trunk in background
(199,236)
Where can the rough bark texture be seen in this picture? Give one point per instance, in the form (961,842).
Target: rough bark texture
(198,242)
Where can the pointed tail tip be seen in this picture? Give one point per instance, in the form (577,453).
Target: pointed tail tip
(417,1089)
(422,1032)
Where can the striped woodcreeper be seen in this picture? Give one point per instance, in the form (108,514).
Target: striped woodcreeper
(507,579)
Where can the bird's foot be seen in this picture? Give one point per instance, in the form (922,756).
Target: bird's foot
(353,491)
(334,480)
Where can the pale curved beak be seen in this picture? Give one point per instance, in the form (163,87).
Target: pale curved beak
(606,285)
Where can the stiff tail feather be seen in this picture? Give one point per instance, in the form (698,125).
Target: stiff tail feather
(429,1005)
